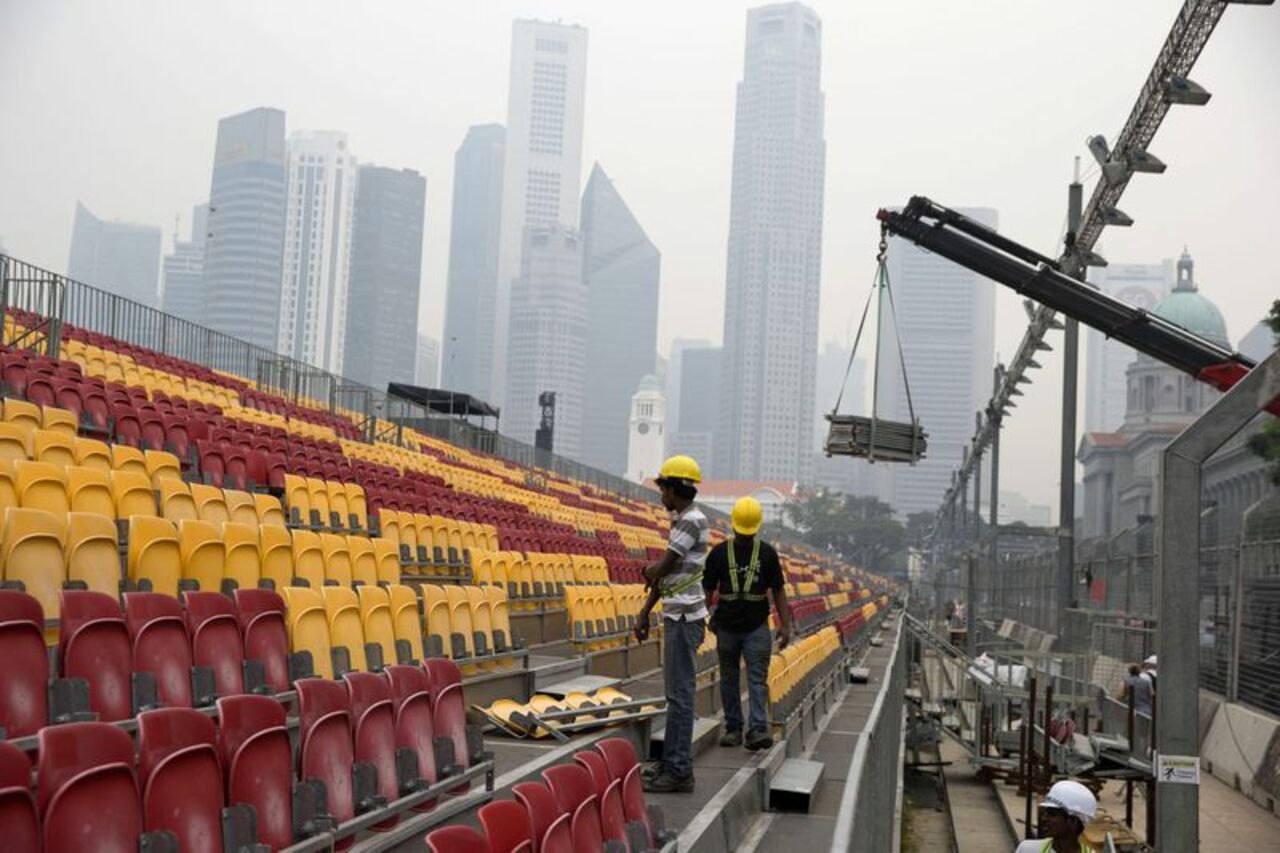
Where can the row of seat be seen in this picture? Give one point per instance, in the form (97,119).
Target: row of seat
(793,670)
(325,505)
(602,617)
(595,803)
(468,622)
(435,543)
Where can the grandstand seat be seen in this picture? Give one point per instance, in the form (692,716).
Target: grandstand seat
(339,511)
(176,502)
(158,632)
(89,490)
(325,749)
(23,698)
(60,421)
(266,637)
(237,467)
(97,410)
(357,507)
(572,786)
(177,436)
(407,619)
(457,839)
(549,823)
(93,552)
(31,553)
(337,559)
(268,510)
(297,501)
(243,564)
(448,710)
(15,441)
(379,629)
(215,639)
(318,499)
(132,494)
(213,467)
(462,631)
(211,505)
(42,485)
(435,605)
(276,548)
(55,447)
(151,428)
(240,506)
(364,561)
(613,822)
(346,633)
(507,826)
(257,761)
(180,777)
(8,484)
(22,413)
(203,554)
(387,554)
(93,644)
(91,453)
(39,390)
(85,789)
(126,458)
(309,627)
(155,554)
(162,465)
(415,730)
(18,818)
(373,729)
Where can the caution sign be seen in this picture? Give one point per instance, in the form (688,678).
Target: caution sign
(1178,769)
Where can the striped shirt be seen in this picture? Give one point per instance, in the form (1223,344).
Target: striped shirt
(690,537)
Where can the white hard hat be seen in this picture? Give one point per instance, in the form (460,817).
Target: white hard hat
(1151,661)
(1073,798)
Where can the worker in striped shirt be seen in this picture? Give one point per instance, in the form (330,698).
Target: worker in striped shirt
(676,579)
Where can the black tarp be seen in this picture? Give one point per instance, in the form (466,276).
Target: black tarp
(442,402)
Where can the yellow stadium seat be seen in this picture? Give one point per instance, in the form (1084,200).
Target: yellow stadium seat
(308,558)
(125,458)
(482,571)
(435,604)
(337,559)
(176,502)
(407,619)
(375,618)
(42,485)
(154,553)
(364,562)
(460,623)
(243,563)
(268,510)
(240,506)
(91,453)
(275,548)
(89,490)
(55,447)
(15,441)
(308,627)
(296,500)
(357,509)
(318,496)
(500,619)
(20,412)
(132,493)
(203,554)
(210,503)
(32,553)
(161,465)
(408,534)
(93,552)
(387,553)
(59,420)
(389,525)
(337,496)
(481,621)
(342,609)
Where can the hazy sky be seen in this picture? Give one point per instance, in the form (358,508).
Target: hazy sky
(982,102)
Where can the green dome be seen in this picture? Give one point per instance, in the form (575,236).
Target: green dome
(1188,309)
(650,383)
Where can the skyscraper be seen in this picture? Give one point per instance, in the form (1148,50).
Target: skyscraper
(427,370)
(620,268)
(675,367)
(119,257)
(317,249)
(247,198)
(1106,359)
(473,261)
(543,157)
(946,321)
(548,349)
(694,434)
(184,270)
(775,251)
(386,273)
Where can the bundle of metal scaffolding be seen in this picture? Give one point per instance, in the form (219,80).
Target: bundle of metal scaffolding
(875,439)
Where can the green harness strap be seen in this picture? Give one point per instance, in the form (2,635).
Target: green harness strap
(744,592)
(1048,847)
(676,589)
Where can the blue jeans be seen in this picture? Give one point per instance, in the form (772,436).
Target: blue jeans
(680,645)
(756,646)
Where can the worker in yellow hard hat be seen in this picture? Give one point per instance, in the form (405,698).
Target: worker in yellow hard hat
(744,571)
(676,579)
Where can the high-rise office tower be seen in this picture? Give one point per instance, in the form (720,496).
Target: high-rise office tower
(119,257)
(427,372)
(542,168)
(472,296)
(946,321)
(775,251)
(694,434)
(671,383)
(184,270)
(386,273)
(620,269)
(548,349)
(1106,359)
(247,198)
(317,249)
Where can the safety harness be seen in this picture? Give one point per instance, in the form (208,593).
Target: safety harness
(677,588)
(1048,847)
(743,592)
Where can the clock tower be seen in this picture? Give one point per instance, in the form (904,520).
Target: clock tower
(646,435)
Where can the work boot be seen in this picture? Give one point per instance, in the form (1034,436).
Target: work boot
(731,738)
(650,769)
(758,740)
(666,783)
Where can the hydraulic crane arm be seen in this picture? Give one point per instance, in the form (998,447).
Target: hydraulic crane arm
(976,247)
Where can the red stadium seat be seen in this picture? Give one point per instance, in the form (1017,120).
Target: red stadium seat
(97,410)
(215,640)
(448,710)
(237,467)
(40,389)
(24,700)
(86,791)
(180,778)
(257,761)
(508,827)
(18,821)
(93,644)
(571,785)
(613,821)
(414,728)
(266,638)
(549,822)
(177,438)
(373,722)
(128,429)
(457,839)
(325,747)
(160,646)
(152,428)
(213,468)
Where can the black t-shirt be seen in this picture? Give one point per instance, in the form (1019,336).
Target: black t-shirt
(741,617)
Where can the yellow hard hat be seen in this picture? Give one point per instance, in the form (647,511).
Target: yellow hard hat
(680,468)
(747,516)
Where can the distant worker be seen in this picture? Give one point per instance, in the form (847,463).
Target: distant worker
(1064,813)
(677,580)
(744,570)
(1141,685)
